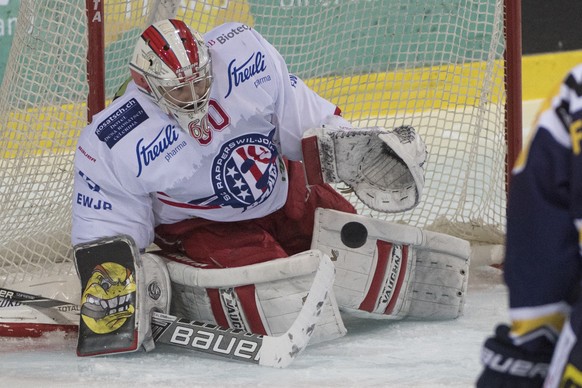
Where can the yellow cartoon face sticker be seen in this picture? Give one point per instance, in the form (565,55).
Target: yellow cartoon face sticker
(108,299)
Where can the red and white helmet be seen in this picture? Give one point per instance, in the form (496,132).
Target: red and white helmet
(171,64)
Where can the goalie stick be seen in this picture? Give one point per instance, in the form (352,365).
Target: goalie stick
(228,343)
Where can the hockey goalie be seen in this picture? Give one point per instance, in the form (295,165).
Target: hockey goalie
(203,191)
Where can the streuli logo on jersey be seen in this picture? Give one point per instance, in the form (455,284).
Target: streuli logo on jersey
(238,75)
(147,153)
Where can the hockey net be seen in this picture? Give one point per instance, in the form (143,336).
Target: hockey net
(438,66)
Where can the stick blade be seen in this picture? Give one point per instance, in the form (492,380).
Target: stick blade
(279,352)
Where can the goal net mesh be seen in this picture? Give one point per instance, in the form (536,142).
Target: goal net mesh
(435,65)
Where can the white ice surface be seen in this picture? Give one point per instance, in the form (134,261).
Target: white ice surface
(372,354)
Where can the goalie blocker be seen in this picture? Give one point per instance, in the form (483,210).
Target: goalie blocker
(391,271)
(121,289)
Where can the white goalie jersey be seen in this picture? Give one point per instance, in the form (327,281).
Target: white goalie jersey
(135,168)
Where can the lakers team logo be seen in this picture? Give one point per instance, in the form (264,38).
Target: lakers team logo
(108,299)
(245,171)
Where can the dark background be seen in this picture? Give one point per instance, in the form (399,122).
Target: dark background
(551,25)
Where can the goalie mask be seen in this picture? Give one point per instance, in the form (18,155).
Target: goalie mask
(171,64)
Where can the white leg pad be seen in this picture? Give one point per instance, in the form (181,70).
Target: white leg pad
(386,270)
(268,295)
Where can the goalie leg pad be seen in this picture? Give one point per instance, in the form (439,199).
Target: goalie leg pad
(391,271)
(263,298)
(120,291)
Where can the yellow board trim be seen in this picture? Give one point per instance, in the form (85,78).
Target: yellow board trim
(541,73)
(376,94)
(410,90)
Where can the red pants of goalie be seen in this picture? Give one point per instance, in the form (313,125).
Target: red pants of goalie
(233,244)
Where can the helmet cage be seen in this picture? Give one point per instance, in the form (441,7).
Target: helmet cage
(174,70)
(189,94)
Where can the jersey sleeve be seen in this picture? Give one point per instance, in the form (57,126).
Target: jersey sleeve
(544,214)
(297,107)
(106,203)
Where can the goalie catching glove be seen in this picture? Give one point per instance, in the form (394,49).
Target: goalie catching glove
(384,168)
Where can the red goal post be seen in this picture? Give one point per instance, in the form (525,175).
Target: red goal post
(450,69)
